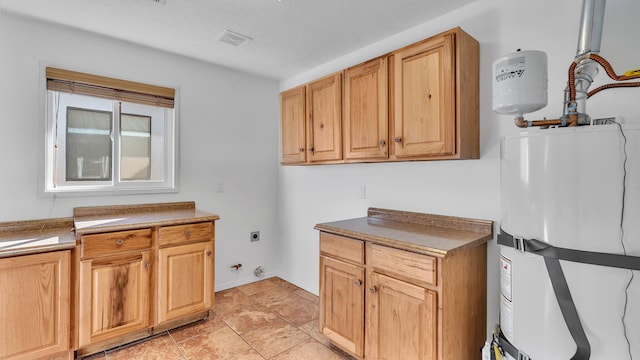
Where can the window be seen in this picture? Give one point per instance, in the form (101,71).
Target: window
(108,135)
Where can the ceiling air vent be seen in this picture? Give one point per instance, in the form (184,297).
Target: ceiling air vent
(233,38)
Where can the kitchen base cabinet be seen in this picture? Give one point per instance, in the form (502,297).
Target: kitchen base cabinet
(142,269)
(185,280)
(342,304)
(401,320)
(425,277)
(115,296)
(34,306)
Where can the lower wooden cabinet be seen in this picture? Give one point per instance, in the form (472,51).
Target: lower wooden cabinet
(136,282)
(34,306)
(401,285)
(185,281)
(342,304)
(401,320)
(114,297)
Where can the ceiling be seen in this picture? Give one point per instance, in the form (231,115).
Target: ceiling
(289,36)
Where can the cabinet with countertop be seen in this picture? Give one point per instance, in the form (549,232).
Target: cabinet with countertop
(425,280)
(108,276)
(142,269)
(34,294)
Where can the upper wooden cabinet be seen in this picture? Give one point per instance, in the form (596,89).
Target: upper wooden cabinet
(324,119)
(365,119)
(434,116)
(311,122)
(292,123)
(408,105)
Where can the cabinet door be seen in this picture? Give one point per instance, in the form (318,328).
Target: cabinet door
(365,111)
(34,305)
(424,121)
(185,282)
(324,114)
(114,296)
(342,304)
(401,320)
(292,125)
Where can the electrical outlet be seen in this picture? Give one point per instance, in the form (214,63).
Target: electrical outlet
(362,193)
(255,236)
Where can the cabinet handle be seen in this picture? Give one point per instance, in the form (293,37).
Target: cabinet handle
(382,142)
(147,265)
(210,252)
(373,289)
(119,242)
(398,139)
(187,233)
(301,149)
(311,149)
(357,283)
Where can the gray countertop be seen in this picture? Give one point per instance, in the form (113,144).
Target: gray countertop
(37,236)
(423,233)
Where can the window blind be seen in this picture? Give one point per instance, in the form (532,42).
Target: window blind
(104,87)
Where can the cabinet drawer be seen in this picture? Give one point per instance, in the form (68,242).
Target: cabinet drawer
(342,248)
(189,233)
(408,265)
(107,243)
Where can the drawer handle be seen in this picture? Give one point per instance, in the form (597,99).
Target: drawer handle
(187,233)
(209,254)
(373,289)
(119,242)
(357,283)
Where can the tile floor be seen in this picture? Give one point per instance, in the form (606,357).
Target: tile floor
(269,319)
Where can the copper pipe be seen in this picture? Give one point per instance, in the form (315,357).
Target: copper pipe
(571,120)
(607,68)
(572,81)
(611,86)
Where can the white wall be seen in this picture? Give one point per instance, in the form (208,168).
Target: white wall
(228,131)
(471,188)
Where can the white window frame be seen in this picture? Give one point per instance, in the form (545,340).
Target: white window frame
(53,180)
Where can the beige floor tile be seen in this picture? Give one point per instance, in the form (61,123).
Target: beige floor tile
(285,284)
(159,348)
(182,333)
(231,300)
(309,349)
(312,329)
(255,316)
(275,338)
(306,295)
(297,311)
(274,296)
(218,344)
(273,317)
(250,289)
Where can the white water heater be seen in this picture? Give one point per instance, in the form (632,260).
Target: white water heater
(575,188)
(520,82)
